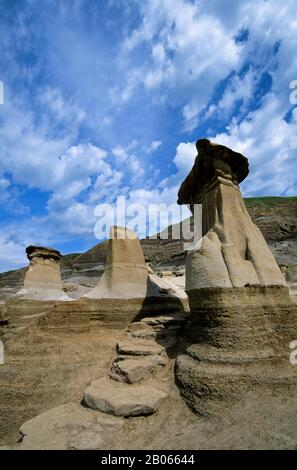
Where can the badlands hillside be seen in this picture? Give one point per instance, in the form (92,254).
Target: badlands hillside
(130,361)
(275,216)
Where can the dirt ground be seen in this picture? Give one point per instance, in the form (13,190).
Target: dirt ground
(47,368)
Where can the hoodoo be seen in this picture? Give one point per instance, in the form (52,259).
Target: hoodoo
(43,278)
(126,274)
(242,315)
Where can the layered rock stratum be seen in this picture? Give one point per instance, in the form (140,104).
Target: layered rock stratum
(242,317)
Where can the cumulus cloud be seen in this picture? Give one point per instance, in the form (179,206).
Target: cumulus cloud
(91,97)
(193,46)
(270,143)
(191,51)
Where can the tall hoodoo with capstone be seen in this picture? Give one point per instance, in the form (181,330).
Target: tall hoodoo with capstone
(242,316)
(234,252)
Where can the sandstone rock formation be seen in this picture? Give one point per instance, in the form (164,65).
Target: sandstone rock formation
(126,274)
(275,216)
(128,289)
(71,427)
(43,279)
(114,398)
(138,382)
(237,343)
(233,251)
(242,316)
(85,269)
(135,384)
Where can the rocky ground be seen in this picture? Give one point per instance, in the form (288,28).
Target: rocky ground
(47,371)
(45,368)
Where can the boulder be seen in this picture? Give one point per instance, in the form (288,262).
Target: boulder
(70,427)
(147,334)
(121,399)
(139,348)
(138,326)
(132,370)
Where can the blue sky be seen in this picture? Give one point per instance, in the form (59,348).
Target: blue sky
(106,98)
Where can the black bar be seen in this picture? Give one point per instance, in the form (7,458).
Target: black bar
(148,458)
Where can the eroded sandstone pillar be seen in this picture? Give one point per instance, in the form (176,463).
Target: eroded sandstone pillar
(126,274)
(43,278)
(125,292)
(234,252)
(242,317)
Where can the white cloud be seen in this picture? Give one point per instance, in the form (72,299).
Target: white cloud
(193,47)
(62,110)
(182,58)
(36,160)
(270,143)
(70,174)
(127,159)
(4,193)
(154,146)
(120,153)
(76,219)
(166,191)
(191,51)
(185,156)
(238,89)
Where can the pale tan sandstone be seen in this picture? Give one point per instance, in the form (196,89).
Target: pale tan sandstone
(121,399)
(125,292)
(136,369)
(70,427)
(242,317)
(139,348)
(233,251)
(43,278)
(126,273)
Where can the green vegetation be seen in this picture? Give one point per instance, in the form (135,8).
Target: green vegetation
(269,200)
(67,260)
